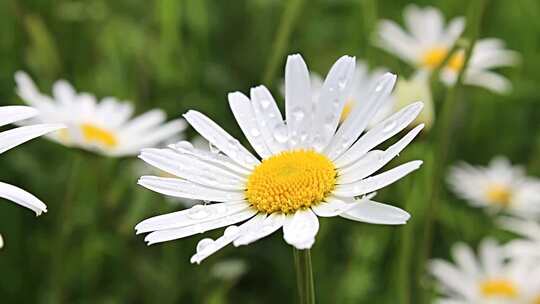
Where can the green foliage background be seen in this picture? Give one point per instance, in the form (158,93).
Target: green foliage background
(187,54)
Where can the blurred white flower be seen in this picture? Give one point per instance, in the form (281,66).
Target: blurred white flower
(487,279)
(309,166)
(497,187)
(229,270)
(428,41)
(528,247)
(487,54)
(14,137)
(105,127)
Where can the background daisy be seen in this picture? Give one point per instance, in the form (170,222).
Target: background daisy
(105,127)
(497,187)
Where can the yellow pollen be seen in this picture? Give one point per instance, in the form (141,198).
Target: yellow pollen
(499,288)
(456,61)
(94,134)
(433,57)
(349,104)
(537,300)
(499,194)
(290,181)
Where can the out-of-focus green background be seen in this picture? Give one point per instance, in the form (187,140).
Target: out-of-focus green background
(187,54)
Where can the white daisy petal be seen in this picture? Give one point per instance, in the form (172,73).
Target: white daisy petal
(270,225)
(394,40)
(299,105)
(488,80)
(454,30)
(245,116)
(221,139)
(22,198)
(28,91)
(218,159)
(300,229)
(368,211)
(359,118)
(194,170)
(380,133)
(333,206)
(464,257)
(11,114)
(375,160)
(331,101)
(185,189)
(14,137)
(376,182)
(182,232)
(63,92)
(452,278)
(269,118)
(207,247)
(192,216)
(491,256)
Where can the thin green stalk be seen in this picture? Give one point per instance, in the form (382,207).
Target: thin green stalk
(304,276)
(290,15)
(444,131)
(64,229)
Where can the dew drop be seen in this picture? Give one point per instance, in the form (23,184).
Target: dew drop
(265,103)
(231,230)
(255,132)
(298,114)
(281,133)
(198,212)
(205,244)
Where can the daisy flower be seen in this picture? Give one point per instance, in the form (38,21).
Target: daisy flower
(105,127)
(487,54)
(306,168)
(14,137)
(529,246)
(486,279)
(428,40)
(497,187)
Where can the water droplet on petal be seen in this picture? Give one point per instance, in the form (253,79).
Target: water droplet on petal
(281,133)
(265,103)
(298,114)
(198,212)
(205,244)
(389,126)
(255,132)
(231,230)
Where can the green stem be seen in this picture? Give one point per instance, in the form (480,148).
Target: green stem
(304,276)
(290,15)
(444,132)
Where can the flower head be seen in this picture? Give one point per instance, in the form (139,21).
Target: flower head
(14,137)
(488,278)
(497,187)
(308,167)
(487,54)
(428,40)
(104,127)
(528,246)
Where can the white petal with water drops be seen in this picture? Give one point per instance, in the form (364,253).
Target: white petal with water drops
(185,189)
(358,119)
(269,225)
(177,233)
(269,119)
(377,182)
(375,160)
(331,101)
(221,139)
(191,216)
(245,117)
(298,102)
(380,133)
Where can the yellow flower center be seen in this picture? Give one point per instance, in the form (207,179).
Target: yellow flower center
(537,300)
(290,181)
(95,134)
(456,62)
(499,194)
(498,288)
(349,104)
(432,58)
